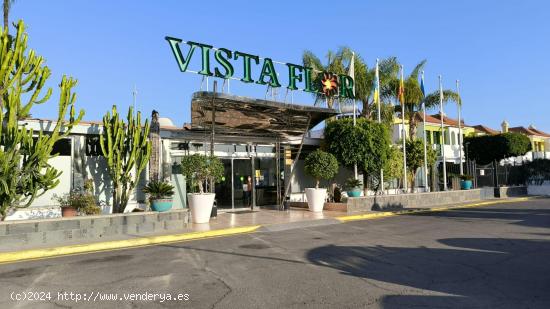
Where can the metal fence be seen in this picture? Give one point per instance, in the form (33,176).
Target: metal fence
(495,175)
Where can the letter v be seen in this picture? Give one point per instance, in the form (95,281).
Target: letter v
(174,45)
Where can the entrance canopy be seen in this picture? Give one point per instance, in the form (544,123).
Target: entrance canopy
(247,116)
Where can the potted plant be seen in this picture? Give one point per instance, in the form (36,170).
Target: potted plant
(466,182)
(76,202)
(68,207)
(199,169)
(353,187)
(320,165)
(160,195)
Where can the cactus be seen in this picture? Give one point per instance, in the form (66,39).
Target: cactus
(126,149)
(24,170)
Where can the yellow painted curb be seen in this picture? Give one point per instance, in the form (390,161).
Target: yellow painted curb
(33,254)
(415,211)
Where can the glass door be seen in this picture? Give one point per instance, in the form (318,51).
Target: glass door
(223,188)
(243,183)
(235,188)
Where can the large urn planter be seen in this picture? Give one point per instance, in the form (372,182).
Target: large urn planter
(320,165)
(161,205)
(200,206)
(316,199)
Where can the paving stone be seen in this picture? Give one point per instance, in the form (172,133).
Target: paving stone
(22,228)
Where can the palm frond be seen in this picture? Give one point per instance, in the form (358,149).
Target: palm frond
(416,71)
(432,99)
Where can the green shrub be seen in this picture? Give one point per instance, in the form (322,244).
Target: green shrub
(538,171)
(488,148)
(321,165)
(82,201)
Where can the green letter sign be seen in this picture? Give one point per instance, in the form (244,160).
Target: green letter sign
(246,65)
(224,68)
(269,70)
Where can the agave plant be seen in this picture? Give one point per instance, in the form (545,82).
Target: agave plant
(158,190)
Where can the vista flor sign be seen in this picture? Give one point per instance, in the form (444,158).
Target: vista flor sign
(225,61)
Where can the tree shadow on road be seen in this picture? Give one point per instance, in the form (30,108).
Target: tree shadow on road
(489,272)
(529,217)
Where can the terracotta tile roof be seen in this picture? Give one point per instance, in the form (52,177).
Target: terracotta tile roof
(486,130)
(437,120)
(529,131)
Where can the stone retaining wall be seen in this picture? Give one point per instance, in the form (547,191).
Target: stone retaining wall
(416,200)
(503,192)
(60,230)
(539,190)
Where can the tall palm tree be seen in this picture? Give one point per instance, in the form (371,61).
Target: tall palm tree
(414,96)
(7,7)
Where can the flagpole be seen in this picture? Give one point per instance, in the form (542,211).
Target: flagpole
(402,96)
(459,126)
(443,135)
(352,73)
(379,117)
(424,135)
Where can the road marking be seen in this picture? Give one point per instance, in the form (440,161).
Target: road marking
(377,215)
(35,254)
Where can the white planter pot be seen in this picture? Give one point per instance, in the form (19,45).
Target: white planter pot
(200,206)
(316,199)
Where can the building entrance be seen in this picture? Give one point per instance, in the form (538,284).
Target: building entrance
(247,182)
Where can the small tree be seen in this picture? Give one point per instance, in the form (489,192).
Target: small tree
(25,173)
(199,168)
(393,169)
(415,157)
(321,165)
(127,151)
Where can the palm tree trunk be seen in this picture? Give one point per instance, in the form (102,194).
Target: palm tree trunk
(412,127)
(6,13)
(366,109)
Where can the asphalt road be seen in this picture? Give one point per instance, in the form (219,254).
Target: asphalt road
(490,257)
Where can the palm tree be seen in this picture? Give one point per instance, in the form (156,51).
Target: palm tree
(414,96)
(338,62)
(7,7)
(335,64)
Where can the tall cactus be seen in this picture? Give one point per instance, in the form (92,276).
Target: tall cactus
(24,170)
(127,150)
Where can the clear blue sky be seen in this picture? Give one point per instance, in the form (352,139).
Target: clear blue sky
(498,49)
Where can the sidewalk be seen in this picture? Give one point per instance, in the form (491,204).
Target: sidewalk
(226,224)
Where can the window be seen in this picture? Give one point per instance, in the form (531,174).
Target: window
(453,139)
(62,147)
(93,148)
(436,138)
